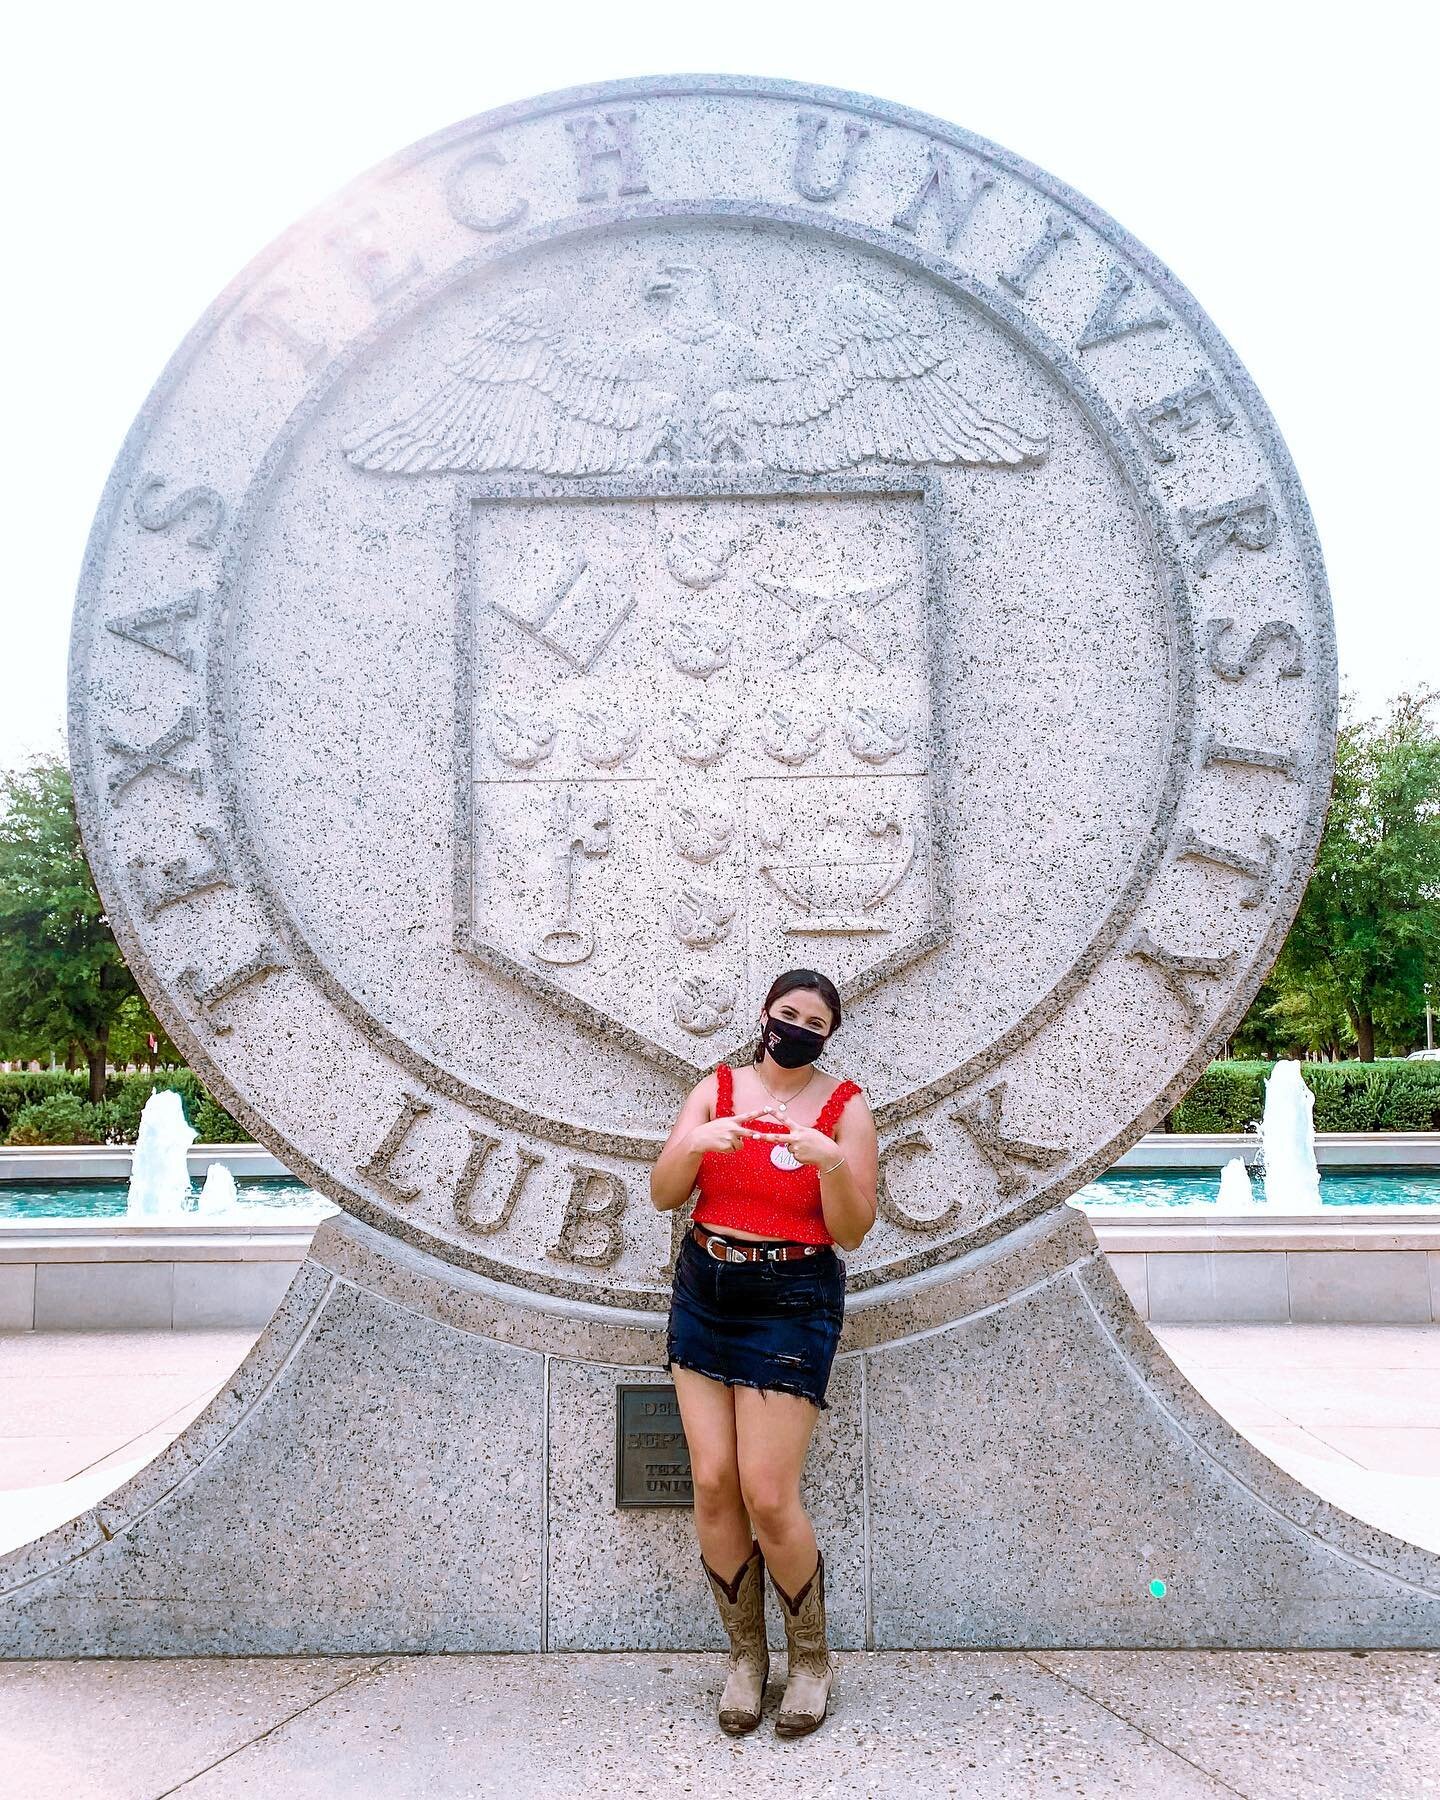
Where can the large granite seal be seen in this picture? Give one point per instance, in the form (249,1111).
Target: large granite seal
(626,545)
(629,545)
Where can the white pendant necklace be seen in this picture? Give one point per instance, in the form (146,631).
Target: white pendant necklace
(780,1155)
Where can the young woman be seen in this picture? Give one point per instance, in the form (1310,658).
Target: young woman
(784,1155)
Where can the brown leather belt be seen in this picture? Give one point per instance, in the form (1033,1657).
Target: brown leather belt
(726,1250)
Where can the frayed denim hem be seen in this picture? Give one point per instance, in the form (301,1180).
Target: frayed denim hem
(778,1387)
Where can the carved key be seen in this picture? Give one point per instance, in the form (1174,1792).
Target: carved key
(579,821)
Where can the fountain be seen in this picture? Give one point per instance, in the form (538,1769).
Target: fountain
(219,1195)
(1287,1151)
(159,1177)
(160,1186)
(1236,1193)
(1287,1142)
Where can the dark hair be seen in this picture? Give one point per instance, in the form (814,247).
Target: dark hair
(802,978)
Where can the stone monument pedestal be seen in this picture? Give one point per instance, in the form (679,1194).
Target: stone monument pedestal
(409,1460)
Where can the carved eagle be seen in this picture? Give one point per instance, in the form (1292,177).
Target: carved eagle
(527,393)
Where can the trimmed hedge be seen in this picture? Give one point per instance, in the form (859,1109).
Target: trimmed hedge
(1229,1096)
(20,1088)
(60,1119)
(1352,1096)
(44,1105)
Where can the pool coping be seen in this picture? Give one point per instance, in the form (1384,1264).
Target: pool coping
(1117,1228)
(1183,1265)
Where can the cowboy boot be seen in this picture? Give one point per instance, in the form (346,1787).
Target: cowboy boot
(813,1666)
(741,1601)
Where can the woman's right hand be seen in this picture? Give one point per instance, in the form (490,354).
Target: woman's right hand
(727,1133)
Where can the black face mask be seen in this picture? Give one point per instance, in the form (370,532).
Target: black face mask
(792,1046)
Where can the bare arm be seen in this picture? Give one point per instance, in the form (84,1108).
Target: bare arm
(848,1194)
(672,1176)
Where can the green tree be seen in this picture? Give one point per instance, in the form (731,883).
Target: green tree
(137,1036)
(1367,935)
(63,981)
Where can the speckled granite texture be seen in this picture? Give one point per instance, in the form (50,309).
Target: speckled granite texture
(379,1474)
(629,544)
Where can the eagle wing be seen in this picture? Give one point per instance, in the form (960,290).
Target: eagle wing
(864,383)
(524,394)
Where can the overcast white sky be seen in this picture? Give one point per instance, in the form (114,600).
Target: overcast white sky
(1278,157)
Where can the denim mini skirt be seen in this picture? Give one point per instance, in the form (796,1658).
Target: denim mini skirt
(757,1324)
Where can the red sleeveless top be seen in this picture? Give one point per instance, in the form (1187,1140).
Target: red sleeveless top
(744,1189)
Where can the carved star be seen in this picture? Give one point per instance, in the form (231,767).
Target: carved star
(835,616)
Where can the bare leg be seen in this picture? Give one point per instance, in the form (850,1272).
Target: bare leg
(707,1410)
(773,1432)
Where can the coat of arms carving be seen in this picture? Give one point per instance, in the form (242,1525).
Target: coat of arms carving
(696,709)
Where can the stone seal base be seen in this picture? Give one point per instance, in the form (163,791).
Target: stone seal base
(412,1458)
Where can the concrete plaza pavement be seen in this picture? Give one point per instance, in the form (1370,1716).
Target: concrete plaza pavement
(992,1725)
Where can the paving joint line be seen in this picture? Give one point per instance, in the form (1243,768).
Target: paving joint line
(1149,1736)
(260,1736)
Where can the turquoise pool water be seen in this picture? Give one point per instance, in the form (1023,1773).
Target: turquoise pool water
(1156,1189)
(1143,1189)
(280,1194)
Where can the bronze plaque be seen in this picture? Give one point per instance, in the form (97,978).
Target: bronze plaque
(652,1459)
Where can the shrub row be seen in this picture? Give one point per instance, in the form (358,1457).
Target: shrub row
(1351,1096)
(52,1107)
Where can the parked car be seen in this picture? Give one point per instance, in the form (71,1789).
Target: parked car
(1423,1056)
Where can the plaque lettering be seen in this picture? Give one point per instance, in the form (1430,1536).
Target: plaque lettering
(579,1215)
(652,1458)
(266,961)
(812,127)
(596,139)
(1003,1152)
(1171,967)
(139,759)
(1272,632)
(1056,232)
(460,197)
(481,1147)
(1251,523)
(152,515)
(264,321)
(1184,408)
(1104,325)
(161,627)
(369,261)
(955,199)
(376,1169)
(177,880)
(1259,871)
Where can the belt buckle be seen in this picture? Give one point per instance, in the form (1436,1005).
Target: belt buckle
(723,1253)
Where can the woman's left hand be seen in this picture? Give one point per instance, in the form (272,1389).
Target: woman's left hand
(804,1142)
